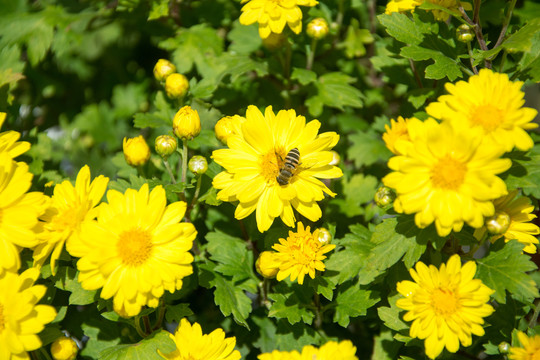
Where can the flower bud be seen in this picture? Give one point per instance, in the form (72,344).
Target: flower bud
(465,33)
(165,145)
(267,264)
(198,165)
(498,223)
(64,348)
(324,236)
(504,347)
(274,41)
(336,159)
(317,28)
(163,69)
(224,129)
(384,196)
(186,123)
(136,151)
(176,86)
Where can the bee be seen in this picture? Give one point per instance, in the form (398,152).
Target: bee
(289,167)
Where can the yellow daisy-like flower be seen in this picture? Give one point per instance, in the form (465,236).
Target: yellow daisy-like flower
(401,5)
(491,102)
(136,249)
(19,211)
(529,350)
(300,254)
(69,207)
(21,319)
(520,227)
(406,5)
(10,145)
(273,15)
(257,154)
(446,175)
(280,355)
(397,131)
(192,344)
(332,350)
(446,305)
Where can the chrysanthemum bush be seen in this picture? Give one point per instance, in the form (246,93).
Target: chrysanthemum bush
(269,179)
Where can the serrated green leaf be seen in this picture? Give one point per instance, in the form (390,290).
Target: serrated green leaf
(231,254)
(505,269)
(143,120)
(145,349)
(443,67)
(66,279)
(244,39)
(303,76)
(400,27)
(333,90)
(204,88)
(284,336)
(175,313)
(358,190)
(521,40)
(367,148)
(355,40)
(353,301)
(525,172)
(158,9)
(391,315)
(385,348)
(101,335)
(289,307)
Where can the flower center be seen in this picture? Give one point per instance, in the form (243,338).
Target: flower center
(444,301)
(70,219)
(2,319)
(448,173)
(134,247)
(271,163)
(304,249)
(487,116)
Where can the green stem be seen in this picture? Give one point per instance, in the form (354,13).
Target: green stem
(169,170)
(137,325)
(44,353)
(318,313)
(503,60)
(505,23)
(416,76)
(184,167)
(160,316)
(147,325)
(469,50)
(534,318)
(195,196)
(311,54)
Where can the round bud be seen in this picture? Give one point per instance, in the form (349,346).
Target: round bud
(498,223)
(336,159)
(224,129)
(136,151)
(317,28)
(324,236)
(163,69)
(186,123)
(465,33)
(176,86)
(384,196)
(166,145)
(64,348)
(198,165)
(504,347)
(274,41)
(267,264)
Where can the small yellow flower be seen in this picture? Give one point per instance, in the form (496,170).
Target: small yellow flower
(492,103)
(529,350)
(176,86)
(192,344)
(163,69)
(301,254)
(406,5)
(332,350)
(64,348)
(69,207)
(446,305)
(267,264)
(166,145)
(317,28)
(519,211)
(401,5)
(397,131)
(273,15)
(136,151)
(21,318)
(280,355)
(228,126)
(186,123)
(136,249)
(446,176)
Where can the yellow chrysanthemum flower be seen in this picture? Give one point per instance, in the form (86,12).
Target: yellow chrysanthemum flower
(401,5)
(491,102)
(136,151)
(10,145)
(300,254)
(192,344)
(19,211)
(529,350)
(520,227)
(257,154)
(446,175)
(273,15)
(69,207)
(406,5)
(136,249)
(397,131)
(280,355)
(446,305)
(332,350)
(21,319)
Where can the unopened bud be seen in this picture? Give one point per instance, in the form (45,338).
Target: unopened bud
(465,33)
(498,223)
(336,159)
(186,123)
(163,69)
(267,264)
(64,348)
(176,86)
(136,151)
(224,129)
(504,347)
(324,236)
(198,165)
(384,196)
(166,145)
(317,28)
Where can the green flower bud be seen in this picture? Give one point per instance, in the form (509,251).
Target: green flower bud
(465,33)
(198,165)
(165,145)
(384,196)
(498,223)
(163,69)
(317,28)
(176,86)
(136,151)
(186,123)
(504,347)
(64,348)
(324,236)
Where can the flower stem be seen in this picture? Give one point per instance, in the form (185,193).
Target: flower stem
(311,54)
(147,325)
(169,170)
(469,50)
(416,76)
(195,196)
(505,24)
(534,318)
(184,167)
(137,325)
(160,316)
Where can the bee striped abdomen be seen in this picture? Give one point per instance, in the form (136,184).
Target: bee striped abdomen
(289,167)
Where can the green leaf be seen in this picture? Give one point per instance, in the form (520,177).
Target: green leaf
(400,27)
(244,39)
(418,97)
(355,40)
(290,302)
(303,76)
(525,172)
(333,90)
(391,315)
(442,67)
(358,190)
(159,9)
(175,313)
(49,334)
(353,301)
(284,336)
(521,40)
(505,269)
(367,148)
(66,279)
(101,335)
(385,347)
(145,349)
